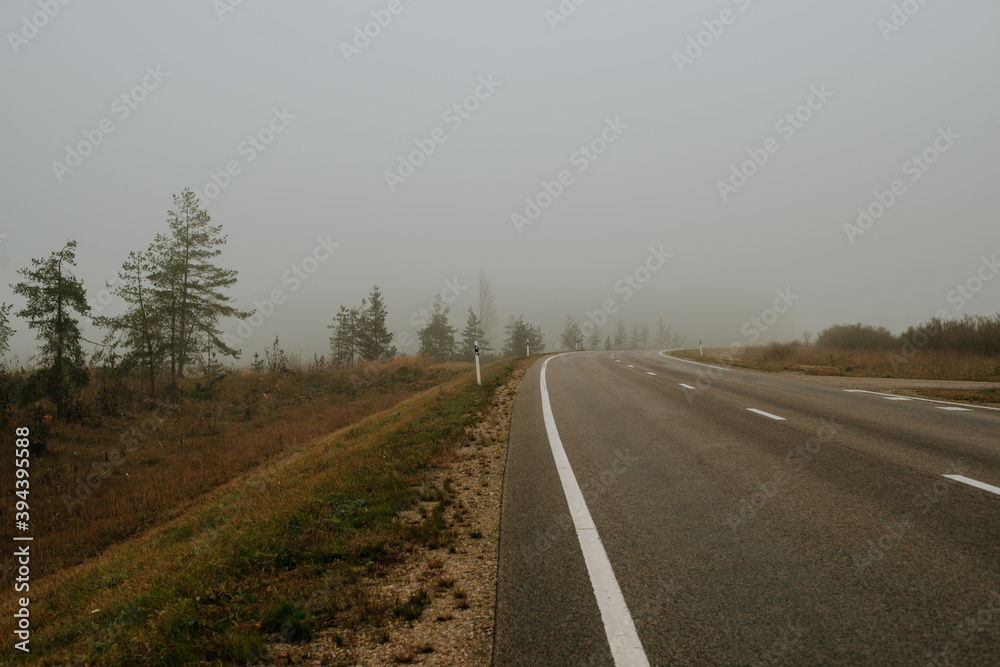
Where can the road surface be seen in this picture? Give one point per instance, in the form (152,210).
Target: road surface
(725,517)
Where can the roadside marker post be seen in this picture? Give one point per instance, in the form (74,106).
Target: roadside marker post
(479,379)
(700,348)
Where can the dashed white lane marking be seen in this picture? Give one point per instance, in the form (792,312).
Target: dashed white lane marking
(630,365)
(955,409)
(626,649)
(686,361)
(929,400)
(648,373)
(687,386)
(767,414)
(971,482)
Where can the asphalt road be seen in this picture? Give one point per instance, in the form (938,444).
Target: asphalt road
(831,536)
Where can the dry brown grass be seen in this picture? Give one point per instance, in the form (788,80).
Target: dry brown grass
(92,488)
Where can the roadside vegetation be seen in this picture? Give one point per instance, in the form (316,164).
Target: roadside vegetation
(279,551)
(960,349)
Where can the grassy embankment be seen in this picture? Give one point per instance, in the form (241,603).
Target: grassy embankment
(278,550)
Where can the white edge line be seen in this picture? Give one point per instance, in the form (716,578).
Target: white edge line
(767,414)
(626,648)
(917,398)
(975,483)
(948,407)
(686,361)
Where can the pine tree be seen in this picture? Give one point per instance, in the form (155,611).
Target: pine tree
(633,340)
(189,286)
(662,335)
(374,338)
(140,327)
(343,342)
(607,343)
(5,330)
(53,295)
(472,333)
(572,339)
(595,340)
(522,337)
(621,336)
(437,339)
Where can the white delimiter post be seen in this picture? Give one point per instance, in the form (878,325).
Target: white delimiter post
(479,379)
(528,348)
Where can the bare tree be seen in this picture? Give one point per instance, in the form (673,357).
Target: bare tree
(487,310)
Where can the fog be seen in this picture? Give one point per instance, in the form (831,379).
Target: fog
(737,137)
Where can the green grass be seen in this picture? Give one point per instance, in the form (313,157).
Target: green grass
(275,554)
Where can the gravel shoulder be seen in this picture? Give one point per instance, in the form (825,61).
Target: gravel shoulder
(457,622)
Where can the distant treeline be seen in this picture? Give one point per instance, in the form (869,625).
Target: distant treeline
(973,334)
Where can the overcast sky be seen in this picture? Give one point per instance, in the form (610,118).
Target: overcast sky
(667,123)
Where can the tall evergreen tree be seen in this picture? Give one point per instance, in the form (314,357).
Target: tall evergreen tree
(662,335)
(572,339)
(522,336)
(621,336)
(344,341)
(594,343)
(374,338)
(140,327)
(437,339)
(5,329)
(472,333)
(53,295)
(189,286)
(633,339)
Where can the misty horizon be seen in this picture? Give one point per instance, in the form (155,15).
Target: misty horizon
(841,155)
